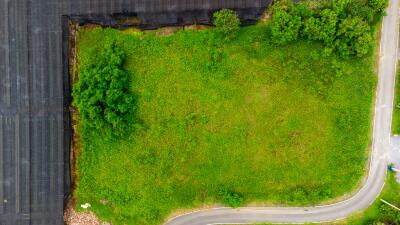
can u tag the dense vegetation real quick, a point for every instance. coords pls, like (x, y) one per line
(227, 22)
(396, 110)
(102, 92)
(345, 26)
(230, 122)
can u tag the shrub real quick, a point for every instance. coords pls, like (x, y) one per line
(285, 26)
(232, 199)
(361, 9)
(102, 93)
(343, 26)
(354, 37)
(322, 28)
(312, 28)
(329, 21)
(369, 10)
(227, 22)
(379, 7)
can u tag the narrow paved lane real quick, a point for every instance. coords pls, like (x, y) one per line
(377, 170)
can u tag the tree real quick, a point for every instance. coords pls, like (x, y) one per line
(361, 9)
(354, 37)
(285, 26)
(379, 6)
(312, 28)
(227, 22)
(102, 92)
(329, 21)
(339, 6)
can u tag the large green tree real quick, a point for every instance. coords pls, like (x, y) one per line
(102, 93)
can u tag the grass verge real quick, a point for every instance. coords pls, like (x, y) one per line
(396, 110)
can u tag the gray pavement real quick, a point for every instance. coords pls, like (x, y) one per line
(378, 160)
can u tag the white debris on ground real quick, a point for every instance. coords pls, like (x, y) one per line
(72, 217)
(394, 155)
(85, 206)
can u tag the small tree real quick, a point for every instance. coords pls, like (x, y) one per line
(312, 28)
(329, 21)
(322, 28)
(354, 37)
(227, 22)
(361, 9)
(379, 6)
(285, 26)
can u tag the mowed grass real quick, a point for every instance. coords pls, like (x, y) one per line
(276, 124)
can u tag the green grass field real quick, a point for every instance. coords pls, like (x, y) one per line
(396, 110)
(276, 124)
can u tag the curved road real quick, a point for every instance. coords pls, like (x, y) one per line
(377, 169)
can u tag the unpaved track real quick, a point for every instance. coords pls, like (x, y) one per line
(377, 170)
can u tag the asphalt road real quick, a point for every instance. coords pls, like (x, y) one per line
(378, 161)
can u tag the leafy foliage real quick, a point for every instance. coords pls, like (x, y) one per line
(396, 110)
(378, 6)
(102, 92)
(232, 199)
(227, 22)
(345, 26)
(285, 25)
(354, 37)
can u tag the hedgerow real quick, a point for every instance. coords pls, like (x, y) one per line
(344, 26)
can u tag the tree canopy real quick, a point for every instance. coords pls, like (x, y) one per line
(227, 22)
(345, 26)
(102, 93)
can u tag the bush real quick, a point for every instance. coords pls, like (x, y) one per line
(322, 28)
(102, 93)
(369, 10)
(344, 26)
(361, 9)
(329, 21)
(227, 22)
(232, 199)
(285, 26)
(379, 7)
(354, 37)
